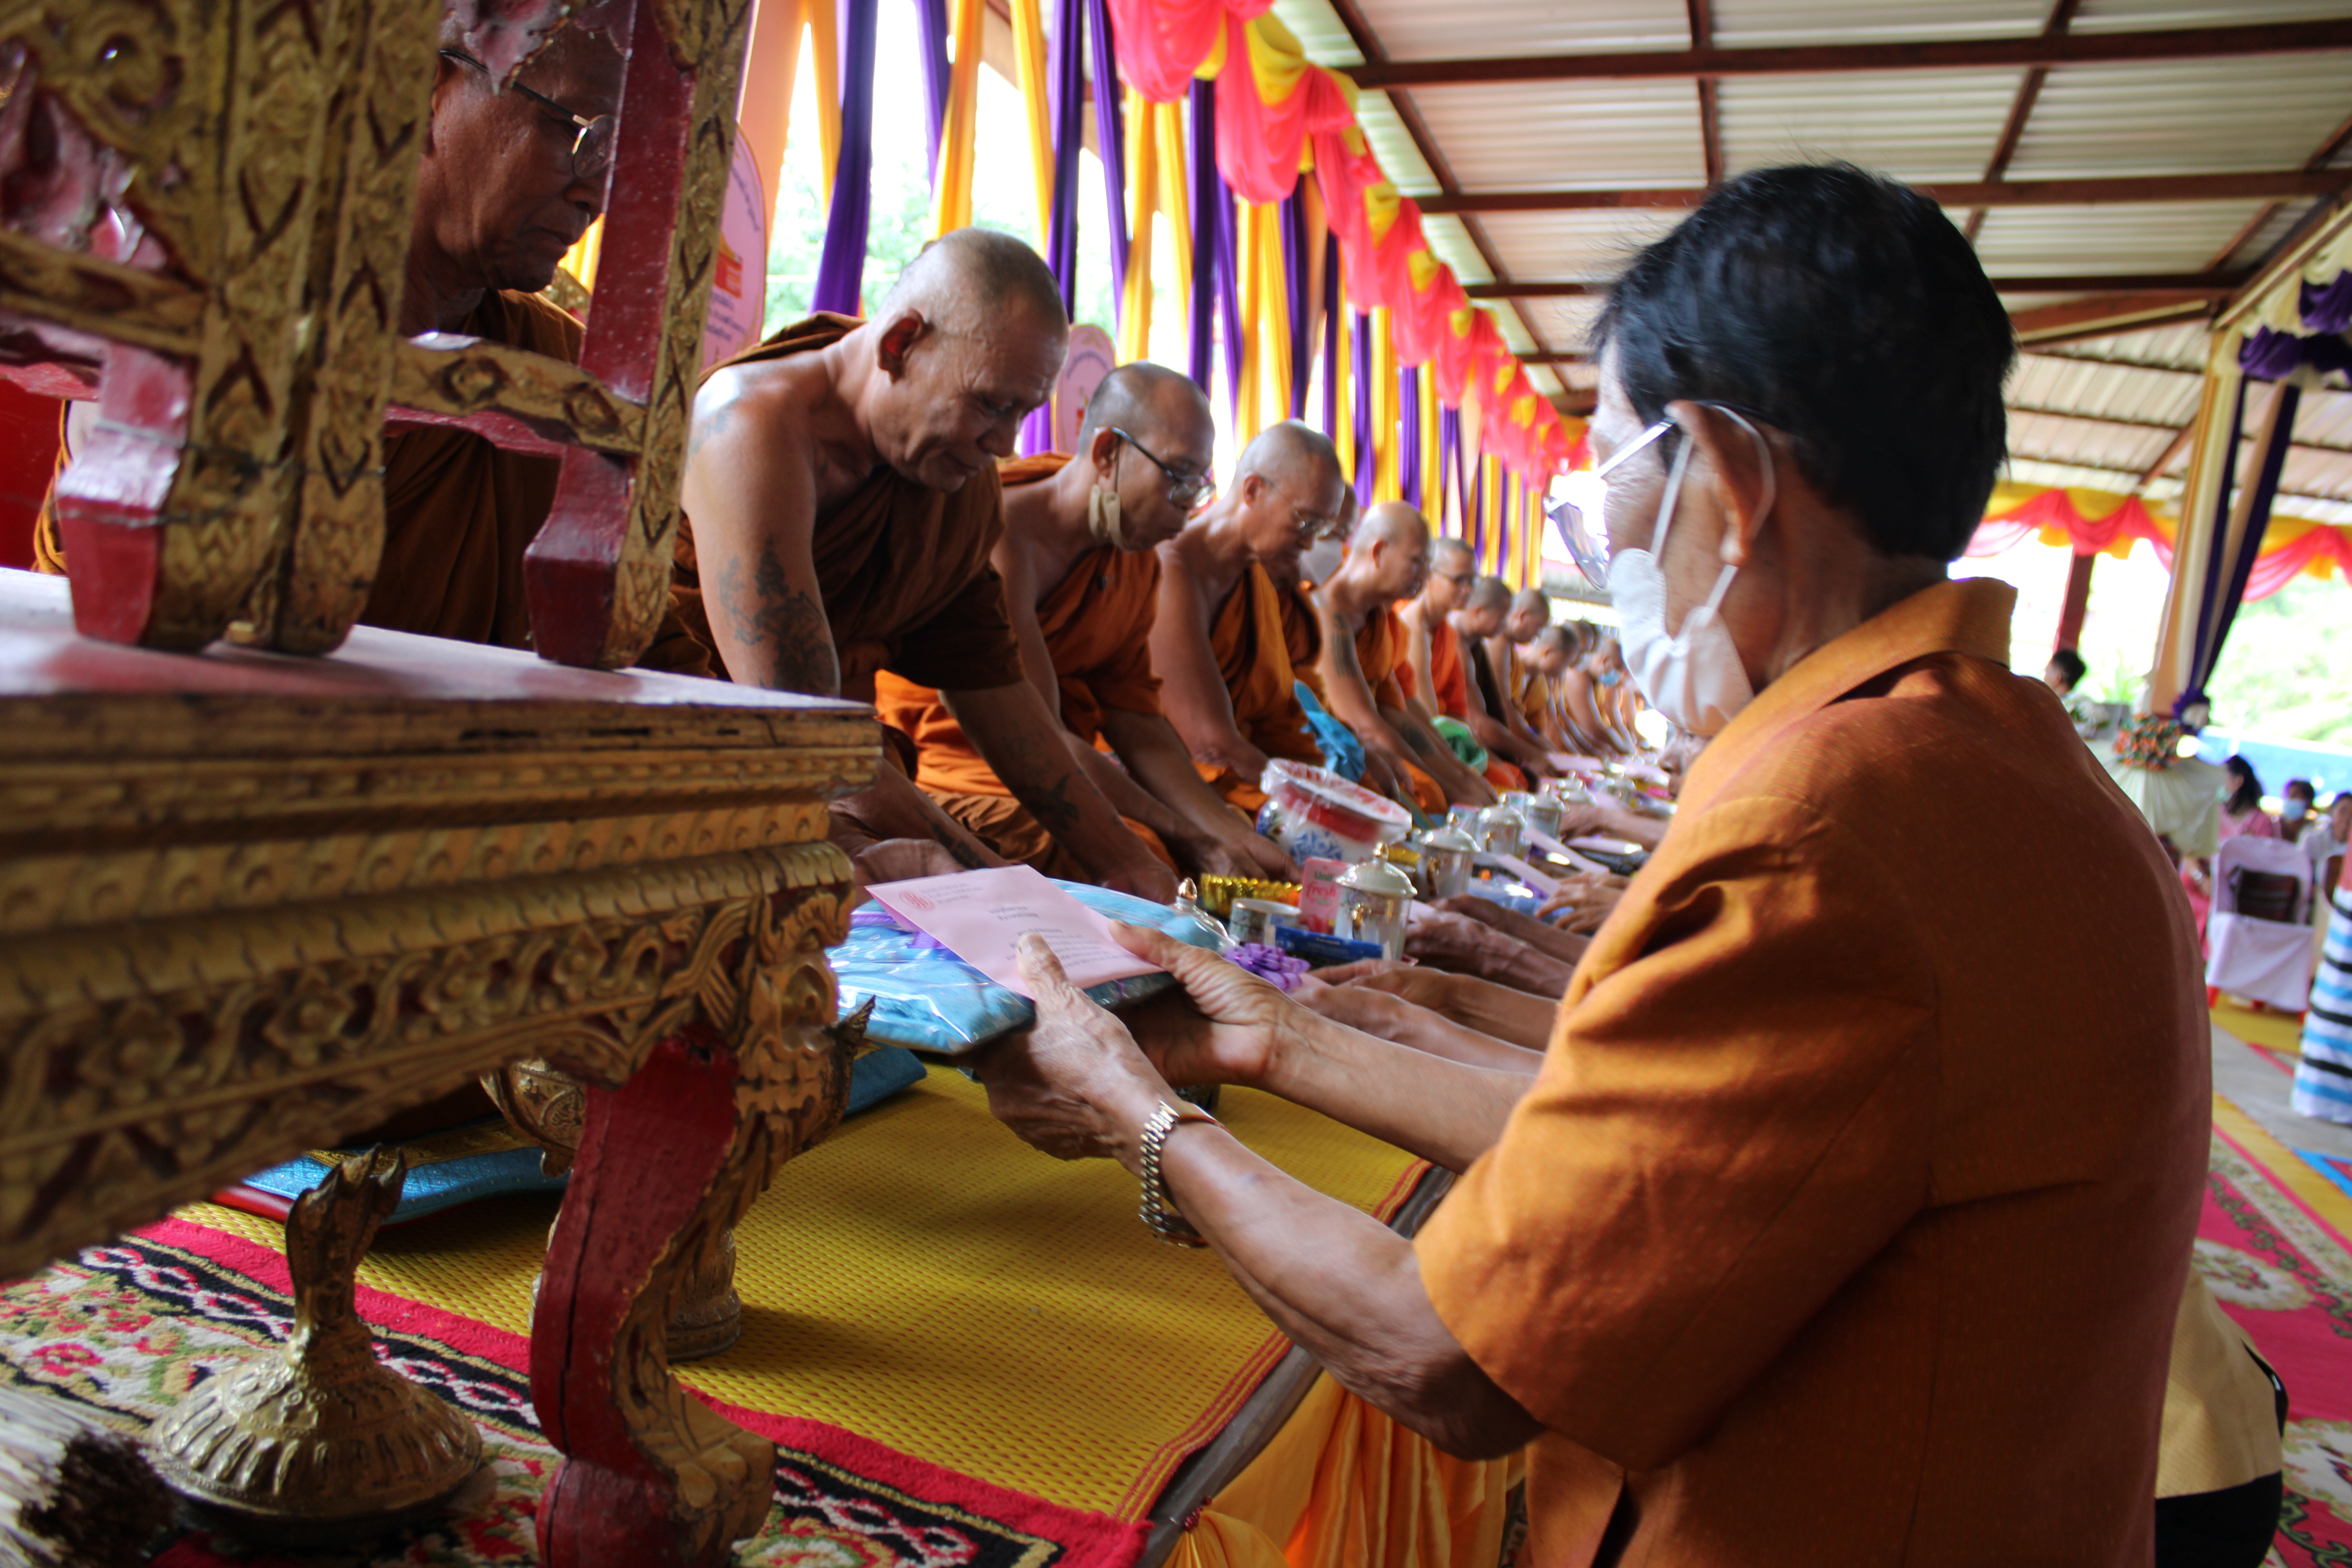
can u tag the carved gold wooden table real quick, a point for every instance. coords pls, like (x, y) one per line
(251, 904)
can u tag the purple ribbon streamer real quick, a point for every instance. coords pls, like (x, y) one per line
(1295, 277)
(1110, 131)
(1229, 298)
(2210, 592)
(841, 265)
(1409, 434)
(2258, 521)
(1331, 309)
(2328, 307)
(931, 30)
(1199, 314)
(1365, 468)
(1478, 530)
(1449, 458)
(2273, 356)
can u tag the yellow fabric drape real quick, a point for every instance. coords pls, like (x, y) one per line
(1343, 400)
(1029, 54)
(1175, 198)
(1490, 516)
(952, 181)
(825, 56)
(1387, 477)
(1265, 305)
(1342, 1486)
(1142, 130)
(2196, 537)
(581, 259)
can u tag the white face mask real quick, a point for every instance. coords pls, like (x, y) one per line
(1321, 559)
(2294, 809)
(1694, 677)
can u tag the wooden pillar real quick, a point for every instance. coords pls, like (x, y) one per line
(2078, 601)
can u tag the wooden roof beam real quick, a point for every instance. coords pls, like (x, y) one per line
(2203, 285)
(2259, 185)
(2099, 315)
(2065, 50)
(2021, 109)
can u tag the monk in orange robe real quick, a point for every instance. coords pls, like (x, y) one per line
(1082, 583)
(496, 210)
(1364, 664)
(1501, 670)
(841, 482)
(1449, 615)
(1219, 643)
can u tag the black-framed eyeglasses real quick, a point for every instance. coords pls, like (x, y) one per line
(1313, 526)
(591, 139)
(1186, 492)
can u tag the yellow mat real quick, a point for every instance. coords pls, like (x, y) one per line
(930, 1282)
(2274, 1031)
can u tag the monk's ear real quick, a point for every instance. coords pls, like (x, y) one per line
(900, 333)
(1104, 453)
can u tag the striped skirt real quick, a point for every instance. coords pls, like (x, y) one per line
(2323, 1080)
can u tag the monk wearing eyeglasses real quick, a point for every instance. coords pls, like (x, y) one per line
(1219, 645)
(843, 508)
(510, 178)
(1081, 569)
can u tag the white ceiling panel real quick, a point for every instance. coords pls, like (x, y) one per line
(1414, 29)
(1575, 246)
(1759, 22)
(2181, 117)
(2137, 237)
(2085, 443)
(1567, 135)
(2129, 16)
(1914, 125)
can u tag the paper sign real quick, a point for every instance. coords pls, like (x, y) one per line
(1525, 873)
(1550, 846)
(979, 916)
(1563, 762)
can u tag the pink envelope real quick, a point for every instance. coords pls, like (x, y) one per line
(979, 916)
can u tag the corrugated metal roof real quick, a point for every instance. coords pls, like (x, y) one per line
(1585, 245)
(2123, 15)
(2183, 117)
(1917, 126)
(2170, 237)
(1758, 23)
(1414, 29)
(1569, 135)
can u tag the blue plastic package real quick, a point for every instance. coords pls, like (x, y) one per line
(926, 998)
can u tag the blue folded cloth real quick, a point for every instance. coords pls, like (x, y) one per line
(1342, 753)
(926, 997)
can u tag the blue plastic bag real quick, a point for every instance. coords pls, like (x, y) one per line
(926, 997)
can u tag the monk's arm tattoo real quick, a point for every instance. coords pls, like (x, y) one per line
(765, 611)
(1046, 773)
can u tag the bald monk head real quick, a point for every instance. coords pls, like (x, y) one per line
(1389, 557)
(1484, 608)
(1150, 440)
(1452, 570)
(967, 344)
(1530, 613)
(1551, 650)
(505, 184)
(1286, 492)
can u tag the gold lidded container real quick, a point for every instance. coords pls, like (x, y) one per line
(1500, 831)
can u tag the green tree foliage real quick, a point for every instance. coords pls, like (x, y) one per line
(2286, 670)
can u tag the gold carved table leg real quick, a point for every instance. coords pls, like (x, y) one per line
(744, 1074)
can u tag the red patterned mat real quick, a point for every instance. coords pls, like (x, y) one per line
(2273, 1245)
(125, 1330)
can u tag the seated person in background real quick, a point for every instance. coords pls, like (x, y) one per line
(1735, 1259)
(501, 194)
(1503, 667)
(1302, 628)
(2241, 816)
(1364, 668)
(1218, 644)
(2295, 802)
(841, 483)
(2063, 672)
(1081, 569)
(1447, 617)
(1582, 690)
(1616, 697)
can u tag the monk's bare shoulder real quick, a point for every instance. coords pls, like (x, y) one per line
(1180, 587)
(766, 405)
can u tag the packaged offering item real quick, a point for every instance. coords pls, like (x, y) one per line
(1314, 812)
(926, 998)
(1322, 951)
(1255, 920)
(1319, 893)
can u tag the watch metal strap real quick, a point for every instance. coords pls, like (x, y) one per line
(1159, 1210)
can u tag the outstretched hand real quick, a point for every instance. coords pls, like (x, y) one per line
(1073, 1085)
(1223, 1026)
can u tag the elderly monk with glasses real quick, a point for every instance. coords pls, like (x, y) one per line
(1218, 645)
(1081, 568)
(843, 508)
(1798, 1244)
(509, 179)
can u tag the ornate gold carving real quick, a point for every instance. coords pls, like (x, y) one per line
(320, 1441)
(147, 1065)
(94, 295)
(466, 376)
(708, 37)
(331, 537)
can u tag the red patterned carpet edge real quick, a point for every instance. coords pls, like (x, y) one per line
(2273, 1244)
(1083, 1540)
